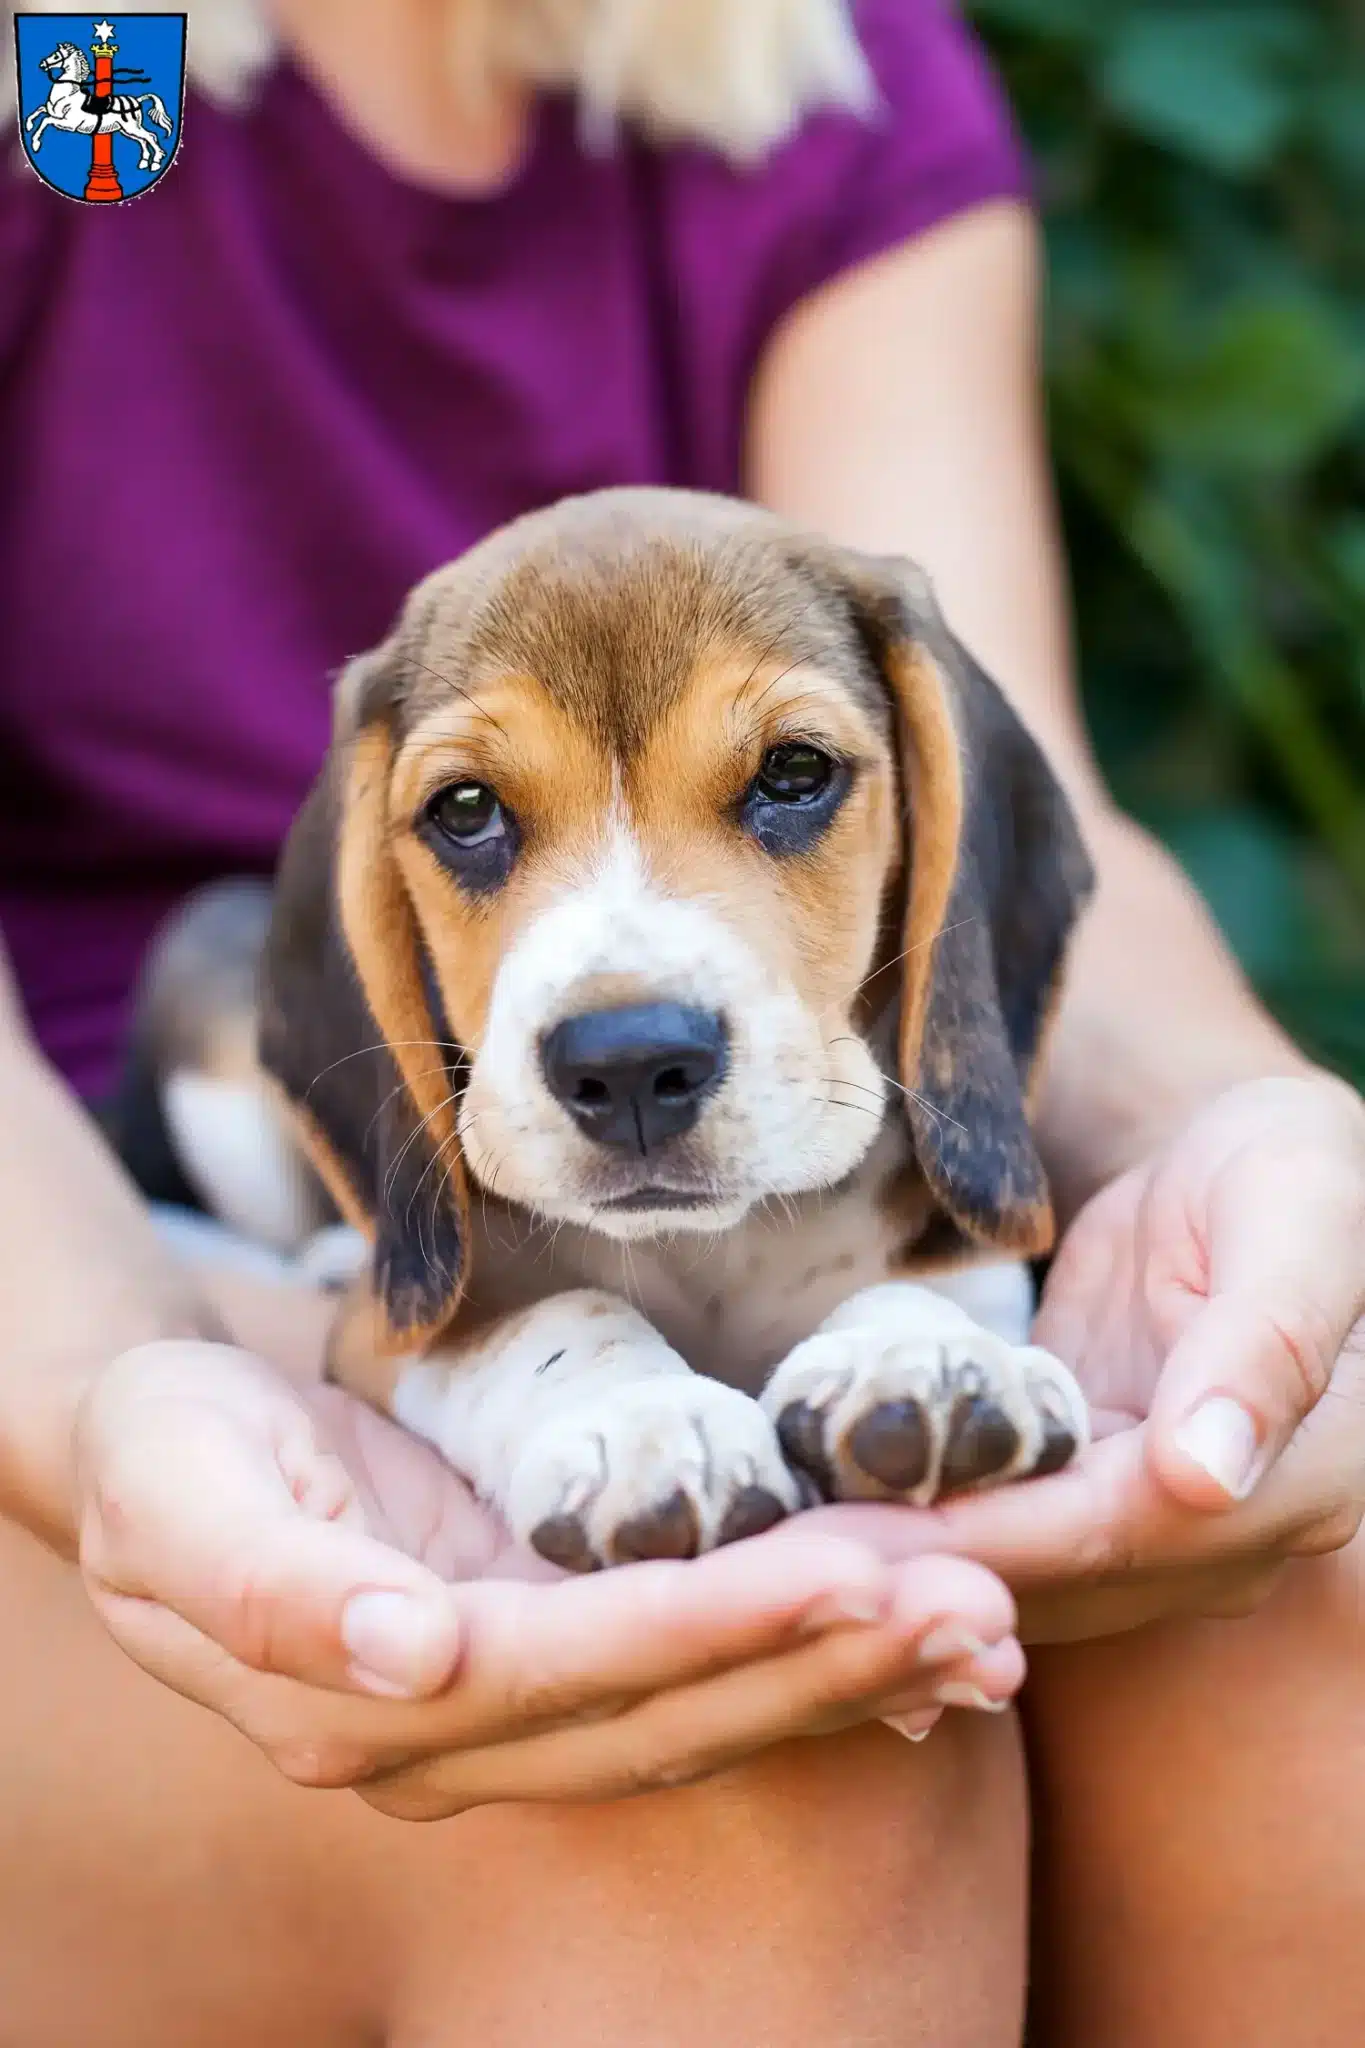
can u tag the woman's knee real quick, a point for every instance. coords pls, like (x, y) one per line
(852, 1890)
(1201, 1791)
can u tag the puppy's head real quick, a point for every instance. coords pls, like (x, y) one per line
(655, 847)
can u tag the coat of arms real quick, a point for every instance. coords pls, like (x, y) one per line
(100, 101)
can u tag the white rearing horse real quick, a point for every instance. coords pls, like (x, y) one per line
(66, 109)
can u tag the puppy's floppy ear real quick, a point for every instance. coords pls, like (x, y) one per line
(996, 876)
(352, 1031)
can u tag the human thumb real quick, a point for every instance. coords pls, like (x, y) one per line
(207, 1491)
(1286, 1283)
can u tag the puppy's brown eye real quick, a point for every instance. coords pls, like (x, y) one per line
(467, 813)
(793, 773)
(794, 797)
(472, 834)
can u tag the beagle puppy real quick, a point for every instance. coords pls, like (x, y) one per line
(656, 978)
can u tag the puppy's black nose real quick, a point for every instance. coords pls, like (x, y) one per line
(635, 1076)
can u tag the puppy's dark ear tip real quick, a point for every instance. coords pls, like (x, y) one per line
(985, 1172)
(419, 1287)
(1006, 1210)
(1025, 1232)
(1013, 1233)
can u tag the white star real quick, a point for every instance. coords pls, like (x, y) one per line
(104, 31)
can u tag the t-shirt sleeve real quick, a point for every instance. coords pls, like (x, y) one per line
(748, 246)
(938, 140)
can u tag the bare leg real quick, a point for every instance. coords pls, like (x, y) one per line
(1201, 1792)
(160, 1885)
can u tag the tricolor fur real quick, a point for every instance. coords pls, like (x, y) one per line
(872, 967)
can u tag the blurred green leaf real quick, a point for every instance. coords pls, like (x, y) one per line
(1073, 20)
(1203, 168)
(1274, 385)
(1208, 81)
(1337, 120)
(1326, 1014)
(1345, 545)
(1249, 874)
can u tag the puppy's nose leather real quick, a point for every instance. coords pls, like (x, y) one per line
(633, 1077)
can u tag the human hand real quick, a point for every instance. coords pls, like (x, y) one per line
(301, 1566)
(1212, 1304)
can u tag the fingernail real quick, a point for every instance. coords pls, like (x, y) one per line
(957, 1694)
(399, 1647)
(949, 1644)
(1220, 1437)
(852, 1604)
(915, 1727)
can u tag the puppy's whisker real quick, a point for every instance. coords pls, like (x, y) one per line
(788, 1204)
(863, 1109)
(781, 634)
(483, 1200)
(392, 1175)
(515, 1237)
(451, 1142)
(411, 1139)
(889, 1081)
(547, 1250)
(390, 1045)
(848, 1038)
(460, 691)
(930, 1109)
(440, 1191)
(769, 687)
(491, 1186)
(427, 1074)
(862, 1087)
(933, 939)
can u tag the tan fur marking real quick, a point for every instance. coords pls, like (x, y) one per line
(815, 919)
(932, 766)
(382, 934)
(512, 735)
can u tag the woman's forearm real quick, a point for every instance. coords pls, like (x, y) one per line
(83, 1276)
(1155, 1020)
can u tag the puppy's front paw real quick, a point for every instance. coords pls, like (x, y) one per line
(870, 1415)
(666, 1467)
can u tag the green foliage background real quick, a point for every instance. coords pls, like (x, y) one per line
(1202, 170)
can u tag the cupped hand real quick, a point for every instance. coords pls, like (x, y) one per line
(298, 1564)
(1212, 1304)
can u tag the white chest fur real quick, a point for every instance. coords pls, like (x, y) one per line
(735, 1305)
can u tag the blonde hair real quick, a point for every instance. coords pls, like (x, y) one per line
(735, 75)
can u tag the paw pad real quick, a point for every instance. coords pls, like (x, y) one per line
(666, 1467)
(893, 1444)
(669, 1529)
(864, 1414)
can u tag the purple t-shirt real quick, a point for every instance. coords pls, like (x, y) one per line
(239, 418)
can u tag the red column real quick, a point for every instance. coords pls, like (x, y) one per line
(103, 182)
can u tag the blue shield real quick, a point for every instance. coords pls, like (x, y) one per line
(101, 100)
